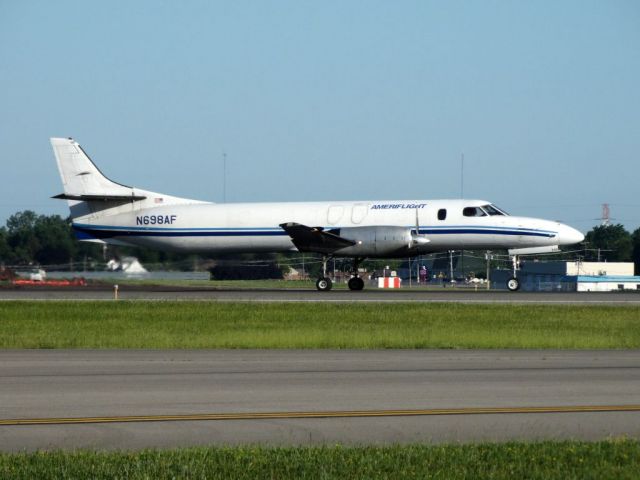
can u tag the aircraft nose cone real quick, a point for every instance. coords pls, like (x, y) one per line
(569, 235)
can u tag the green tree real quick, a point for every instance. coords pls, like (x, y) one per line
(6, 253)
(39, 238)
(22, 237)
(55, 237)
(614, 241)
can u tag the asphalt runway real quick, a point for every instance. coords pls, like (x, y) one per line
(137, 399)
(466, 295)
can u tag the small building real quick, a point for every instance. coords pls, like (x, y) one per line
(606, 283)
(562, 276)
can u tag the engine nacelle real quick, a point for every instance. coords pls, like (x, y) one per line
(376, 241)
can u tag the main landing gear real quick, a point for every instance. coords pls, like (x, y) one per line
(324, 283)
(355, 282)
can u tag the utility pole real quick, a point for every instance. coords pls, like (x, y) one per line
(450, 266)
(224, 177)
(462, 175)
(605, 220)
(488, 257)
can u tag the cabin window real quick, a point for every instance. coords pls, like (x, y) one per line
(473, 212)
(442, 214)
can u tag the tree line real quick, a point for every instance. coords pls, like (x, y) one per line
(32, 239)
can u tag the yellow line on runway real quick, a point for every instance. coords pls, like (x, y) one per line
(321, 414)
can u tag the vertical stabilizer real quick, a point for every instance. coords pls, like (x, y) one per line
(80, 176)
(90, 193)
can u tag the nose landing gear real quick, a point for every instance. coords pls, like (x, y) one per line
(513, 284)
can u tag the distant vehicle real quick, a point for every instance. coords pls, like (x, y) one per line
(108, 212)
(128, 265)
(34, 274)
(37, 275)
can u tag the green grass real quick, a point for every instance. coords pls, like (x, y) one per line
(543, 460)
(199, 325)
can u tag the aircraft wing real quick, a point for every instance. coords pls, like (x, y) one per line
(315, 239)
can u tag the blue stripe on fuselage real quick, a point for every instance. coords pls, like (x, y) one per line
(485, 231)
(84, 231)
(105, 233)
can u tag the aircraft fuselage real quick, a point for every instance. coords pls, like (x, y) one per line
(255, 227)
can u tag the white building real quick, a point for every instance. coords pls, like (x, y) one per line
(571, 276)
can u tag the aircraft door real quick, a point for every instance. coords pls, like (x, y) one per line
(334, 214)
(359, 212)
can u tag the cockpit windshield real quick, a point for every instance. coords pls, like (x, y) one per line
(493, 210)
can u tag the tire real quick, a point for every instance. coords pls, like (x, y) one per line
(356, 283)
(513, 284)
(324, 284)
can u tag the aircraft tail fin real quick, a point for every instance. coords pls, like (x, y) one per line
(80, 176)
(90, 192)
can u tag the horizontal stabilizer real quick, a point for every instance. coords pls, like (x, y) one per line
(315, 239)
(100, 197)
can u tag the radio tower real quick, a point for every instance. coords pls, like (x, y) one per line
(605, 220)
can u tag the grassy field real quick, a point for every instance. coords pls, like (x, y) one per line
(199, 325)
(544, 460)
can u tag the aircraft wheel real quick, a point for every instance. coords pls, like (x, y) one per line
(356, 283)
(513, 284)
(324, 284)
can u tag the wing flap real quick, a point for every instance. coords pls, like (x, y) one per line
(314, 239)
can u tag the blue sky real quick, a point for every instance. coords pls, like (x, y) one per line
(329, 100)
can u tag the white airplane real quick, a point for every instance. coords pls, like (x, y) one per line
(108, 212)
